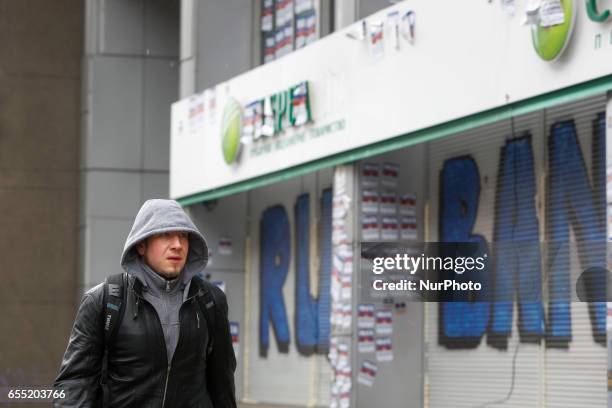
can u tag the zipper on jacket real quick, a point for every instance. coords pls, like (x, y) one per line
(166, 386)
(198, 317)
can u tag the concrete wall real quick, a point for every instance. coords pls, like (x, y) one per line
(130, 79)
(40, 83)
(367, 7)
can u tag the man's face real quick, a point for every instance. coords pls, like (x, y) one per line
(165, 253)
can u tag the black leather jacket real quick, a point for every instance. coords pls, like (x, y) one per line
(139, 374)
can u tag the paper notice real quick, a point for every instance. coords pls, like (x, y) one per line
(551, 13)
(367, 373)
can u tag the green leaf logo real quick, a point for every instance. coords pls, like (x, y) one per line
(231, 130)
(549, 42)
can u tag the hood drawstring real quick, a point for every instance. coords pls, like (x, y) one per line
(193, 301)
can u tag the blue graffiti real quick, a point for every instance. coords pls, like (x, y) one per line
(462, 323)
(573, 202)
(312, 327)
(517, 251)
(274, 267)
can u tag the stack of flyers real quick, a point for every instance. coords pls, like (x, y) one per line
(408, 204)
(408, 228)
(384, 349)
(389, 230)
(390, 174)
(267, 15)
(377, 44)
(299, 104)
(370, 230)
(384, 322)
(365, 316)
(369, 175)
(388, 202)
(367, 373)
(365, 341)
(369, 201)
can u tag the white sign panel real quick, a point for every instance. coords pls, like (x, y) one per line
(461, 58)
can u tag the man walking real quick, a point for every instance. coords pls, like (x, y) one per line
(157, 336)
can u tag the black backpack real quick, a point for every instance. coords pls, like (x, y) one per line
(115, 296)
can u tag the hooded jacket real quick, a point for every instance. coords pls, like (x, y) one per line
(160, 356)
(156, 217)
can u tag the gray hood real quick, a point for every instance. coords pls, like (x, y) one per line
(158, 216)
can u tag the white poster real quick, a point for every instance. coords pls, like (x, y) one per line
(384, 322)
(384, 349)
(365, 316)
(367, 373)
(365, 341)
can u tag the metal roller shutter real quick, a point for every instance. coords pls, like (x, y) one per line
(561, 361)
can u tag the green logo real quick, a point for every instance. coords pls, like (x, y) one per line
(231, 130)
(549, 42)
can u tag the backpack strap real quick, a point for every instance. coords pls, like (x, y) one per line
(207, 306)
(115, 295)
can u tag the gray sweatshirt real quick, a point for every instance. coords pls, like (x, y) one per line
(157, 216)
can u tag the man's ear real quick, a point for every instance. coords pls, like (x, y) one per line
(140, 247)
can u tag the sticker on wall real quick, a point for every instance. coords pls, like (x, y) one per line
(299, 101)
(408, 24)
(407, 204)
(303, 5)
(284, 12)
(365, 316)
(377, 39)
(225, 246)
(384, 349)
(252, 122)
(532, 13)
(390, 174)
(408, 228)
(365, 341)
(367, 373)
(389, 230)
(235, 333)
(345, 293)
(370, 172)
(384, 322)
(196, 113)
(393, 22)
(370, 230)
(508, 7)
(267, 16)
(210, 98)
(388, 202)
(305, 29)
(269, 47)
(551, 13)
(369, 201)
(346, 316)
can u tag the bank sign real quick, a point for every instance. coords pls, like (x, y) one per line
(340, 94)
(251, 126)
